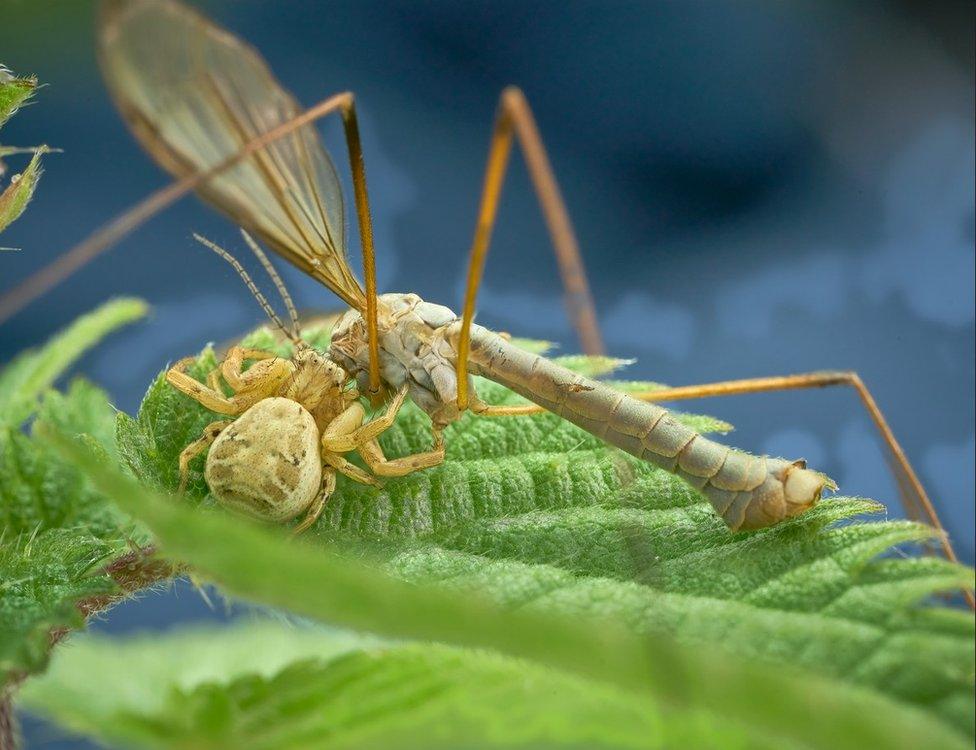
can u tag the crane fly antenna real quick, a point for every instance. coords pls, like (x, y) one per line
(276, 279)
(248, 281)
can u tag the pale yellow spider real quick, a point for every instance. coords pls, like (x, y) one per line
(294, 420)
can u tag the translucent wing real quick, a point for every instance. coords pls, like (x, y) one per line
(194, 95)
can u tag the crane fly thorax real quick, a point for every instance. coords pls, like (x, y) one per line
(416, 349)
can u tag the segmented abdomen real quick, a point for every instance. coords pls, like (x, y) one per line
(747, 491)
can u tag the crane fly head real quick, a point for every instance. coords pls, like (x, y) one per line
(350, 344)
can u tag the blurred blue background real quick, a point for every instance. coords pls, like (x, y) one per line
(757, 188)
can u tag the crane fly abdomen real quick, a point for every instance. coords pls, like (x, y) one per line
(418, 349)
(749, 492)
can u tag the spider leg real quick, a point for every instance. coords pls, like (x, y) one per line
(345, 467)
(232, 368)
(326, 490)
(198, 446)
(347, 433)
(211, 398)
(382, 466)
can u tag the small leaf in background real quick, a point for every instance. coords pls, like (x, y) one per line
(33, 371)
(14, 92)
(16, 196)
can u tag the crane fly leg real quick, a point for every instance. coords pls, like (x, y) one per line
(514, 118)
(350, 125)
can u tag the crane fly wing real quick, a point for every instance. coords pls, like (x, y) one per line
(195, 95)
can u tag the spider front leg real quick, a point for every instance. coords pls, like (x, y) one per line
(250, 387)
(232, 368)
(198, 446)
(208, 395)
(382, 466)
(347, 433)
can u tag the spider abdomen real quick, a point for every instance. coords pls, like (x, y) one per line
(266, 464)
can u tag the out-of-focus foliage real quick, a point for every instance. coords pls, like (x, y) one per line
(16, 196)
(58, 533)
(272, 685)
(15, 92)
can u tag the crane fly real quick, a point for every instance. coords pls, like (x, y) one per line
(207, 108)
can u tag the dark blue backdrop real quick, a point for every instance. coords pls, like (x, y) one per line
(758, 189)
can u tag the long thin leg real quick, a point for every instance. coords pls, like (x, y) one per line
(198, 446)
(507, 410)
(326, 490)
(350, 124)
(514, 118)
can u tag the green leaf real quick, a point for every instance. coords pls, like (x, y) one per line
(592, 367)
(322, 580)
(14, 92)
(539, 515)
(31, 373)
(42, 579)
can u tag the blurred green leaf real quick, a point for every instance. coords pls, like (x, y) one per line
(16, 196)
(31, 373)
(271, 685)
